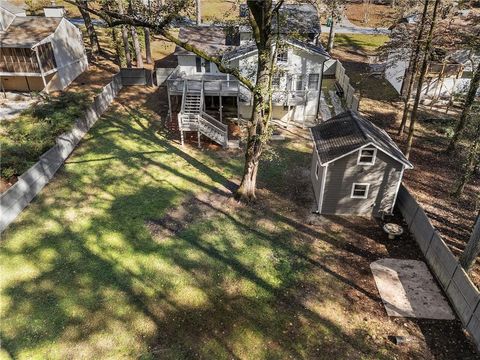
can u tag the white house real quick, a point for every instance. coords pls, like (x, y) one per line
(203, 99)
(38, 53)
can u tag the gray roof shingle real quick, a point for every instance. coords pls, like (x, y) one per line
(26, 31)
(348, 132)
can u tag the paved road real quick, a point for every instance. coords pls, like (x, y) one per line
(345, 26)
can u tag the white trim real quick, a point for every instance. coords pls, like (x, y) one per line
(322, 189)
(324, 174)
(374, 156)
(348, 153)
(409, 166)
(357, 196)
(397, 189)
(316, 168)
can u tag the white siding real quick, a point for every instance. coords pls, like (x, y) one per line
(69, 52)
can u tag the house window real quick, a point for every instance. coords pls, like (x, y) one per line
(299, 83)
(317, 168)
(276, 81)
(360, 190)
(198, 63)
(313, 81)
(282, 55)
(367, 156)
(207, 65)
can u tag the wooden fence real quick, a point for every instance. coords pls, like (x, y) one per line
(463, 294)
(136, 76)
(351, 100)
(32, 181)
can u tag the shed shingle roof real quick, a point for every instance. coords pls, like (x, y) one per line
(347, 132)
(26, 31)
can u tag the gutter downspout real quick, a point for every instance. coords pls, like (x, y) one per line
(41, 70)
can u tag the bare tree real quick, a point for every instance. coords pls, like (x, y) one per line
(92, 34)
(126, 45)
(469, 100)
(413, 68)
(421, 78)
(198, 11)
(467, 259)
(473, 157)
(148, 49)
(136, 46)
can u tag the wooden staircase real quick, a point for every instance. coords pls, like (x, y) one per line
(193, 118)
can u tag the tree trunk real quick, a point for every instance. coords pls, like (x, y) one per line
(198, 11)
(136, 45)
(331, 35)
(126, 45)
(148, 50)
(467, 259)
(118, 58)
(421, 78)
(470, 164)
(92, 34)
(413, 68)
(261, 13)
(472, 91)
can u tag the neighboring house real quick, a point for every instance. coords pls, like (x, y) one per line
(356, 168)
(38, 53)
(449, 71)
(203, 99)
(443, 78)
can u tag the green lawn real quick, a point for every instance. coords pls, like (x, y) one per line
(135, 251)
(31, 133)
(363, 42)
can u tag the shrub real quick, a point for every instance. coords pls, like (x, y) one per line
(33, 132)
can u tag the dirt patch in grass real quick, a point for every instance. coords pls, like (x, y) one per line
(377, 15)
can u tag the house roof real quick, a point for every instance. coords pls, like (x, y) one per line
(11, 8)
(348, 132)
(26, 31)
(298, 18)
(214, 40)
(249, 47)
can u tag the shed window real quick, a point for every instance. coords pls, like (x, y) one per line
(198, 63)
(360, 190)
(208, 66)
(282, 55)
(313, 81)
(367, 156)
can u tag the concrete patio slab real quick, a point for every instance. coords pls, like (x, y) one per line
(408, 289)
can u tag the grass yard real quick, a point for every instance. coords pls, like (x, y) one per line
(136, 250)
(359, 42)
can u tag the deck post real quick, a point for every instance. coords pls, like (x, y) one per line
(169, 104)
(41, 70)
(238, 108)
(198, 139)
(181, 137)
(221, 113)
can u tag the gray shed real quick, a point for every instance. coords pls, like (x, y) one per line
(356, 169)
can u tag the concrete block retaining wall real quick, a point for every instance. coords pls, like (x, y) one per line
(463, 294)
(32, 181)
